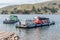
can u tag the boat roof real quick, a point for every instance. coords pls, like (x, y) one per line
(44, 18)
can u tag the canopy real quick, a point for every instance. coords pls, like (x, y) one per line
(13, 17)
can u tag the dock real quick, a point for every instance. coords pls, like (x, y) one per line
(8, 36)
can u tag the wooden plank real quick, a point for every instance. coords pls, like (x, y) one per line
(8, 35)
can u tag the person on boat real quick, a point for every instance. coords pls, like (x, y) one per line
(38, 21)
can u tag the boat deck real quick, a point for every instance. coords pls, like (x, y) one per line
(34, 26)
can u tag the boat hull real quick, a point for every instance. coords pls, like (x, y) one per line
(36, 25)
(10, 22)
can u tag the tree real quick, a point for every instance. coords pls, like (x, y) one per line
(26, 12)
(38, 10)
(12, 12)
(54, 4)
(15, 9)
(4, 12)
(53, 10)
(34, 9)
(19, 11)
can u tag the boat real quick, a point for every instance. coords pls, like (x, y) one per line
(11, 20)
(31, 24)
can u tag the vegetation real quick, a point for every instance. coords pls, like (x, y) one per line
(50, 7)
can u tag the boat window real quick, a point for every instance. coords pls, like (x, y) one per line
(44, 18)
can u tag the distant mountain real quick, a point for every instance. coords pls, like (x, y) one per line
(49, 7)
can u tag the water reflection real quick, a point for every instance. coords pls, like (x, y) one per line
(31, 34)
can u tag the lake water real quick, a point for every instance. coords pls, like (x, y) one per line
(45, 33)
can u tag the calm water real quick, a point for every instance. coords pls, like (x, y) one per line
(44, 33)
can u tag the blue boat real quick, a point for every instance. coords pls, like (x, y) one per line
(31, 24)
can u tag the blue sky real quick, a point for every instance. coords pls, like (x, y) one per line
(4, 3)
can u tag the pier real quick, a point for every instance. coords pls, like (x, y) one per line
(8, 36)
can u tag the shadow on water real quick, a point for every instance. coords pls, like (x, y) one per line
(40, 28)
(44, 28)
(31, 31)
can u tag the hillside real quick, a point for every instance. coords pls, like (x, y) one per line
(49, 7)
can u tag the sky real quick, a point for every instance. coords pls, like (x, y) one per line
(4, 3)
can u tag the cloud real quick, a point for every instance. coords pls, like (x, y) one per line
(21, 1)
(13, 2)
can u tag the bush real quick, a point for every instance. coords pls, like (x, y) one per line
(34, 9)
(4, 12)
(26, 12)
